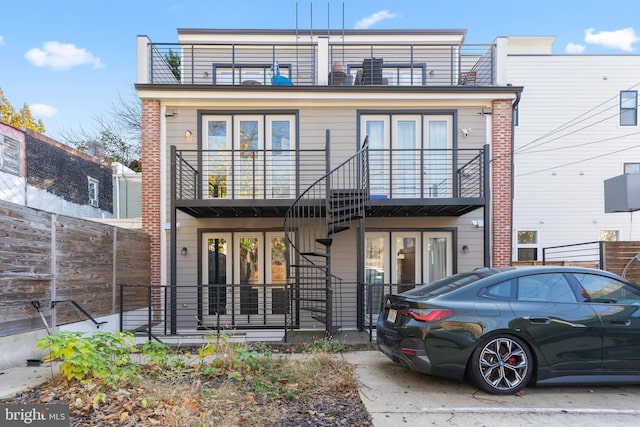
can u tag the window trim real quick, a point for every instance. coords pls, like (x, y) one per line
(624, 108)
(95, 200)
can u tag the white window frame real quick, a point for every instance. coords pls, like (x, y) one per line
(627, 104)
(271, 167)
(93, 188)
(528, 245)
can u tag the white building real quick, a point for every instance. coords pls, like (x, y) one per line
(576, 126)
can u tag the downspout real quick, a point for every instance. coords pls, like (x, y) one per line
(513, 129)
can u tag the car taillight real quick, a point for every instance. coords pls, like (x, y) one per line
(430, 316)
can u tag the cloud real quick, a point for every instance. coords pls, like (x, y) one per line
(371, 20)
(575, 48)
(43, 110)
(620, 39)
(61, 56)
(1, 40)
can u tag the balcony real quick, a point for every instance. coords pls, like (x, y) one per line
(308, 64)
(248, 183)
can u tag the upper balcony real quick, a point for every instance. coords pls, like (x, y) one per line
(385, 63)
(247, 183)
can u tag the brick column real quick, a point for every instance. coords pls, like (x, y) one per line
(501, 200)
(151, 183)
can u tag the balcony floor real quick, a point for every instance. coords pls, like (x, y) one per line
(376, 208)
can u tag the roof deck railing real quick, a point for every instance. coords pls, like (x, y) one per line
(237, 64)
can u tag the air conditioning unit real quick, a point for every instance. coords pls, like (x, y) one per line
(94, 203)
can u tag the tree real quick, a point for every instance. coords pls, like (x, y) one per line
(22, 119)
(118, 132)
(174, 63)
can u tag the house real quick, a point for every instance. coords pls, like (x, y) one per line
(41, 173)
(278, 200)
(577, 127)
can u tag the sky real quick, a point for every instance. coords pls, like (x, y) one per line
(72, 61)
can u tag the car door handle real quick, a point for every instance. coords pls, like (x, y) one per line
(540, 320)
(621, 322)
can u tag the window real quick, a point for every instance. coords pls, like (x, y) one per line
(410, 155)
(502, 290)
(628, 108)
(9, 155)
(93, 192)
(630, 168)
(610, 235)
(607, 290)
(527, 245)
(248, 156)
(545, 287)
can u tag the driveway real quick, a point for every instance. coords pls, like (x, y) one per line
(396, 396)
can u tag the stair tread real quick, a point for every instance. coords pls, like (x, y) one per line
(325, 242)
(334, 230)
(318, 254)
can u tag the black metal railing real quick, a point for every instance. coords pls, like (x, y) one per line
(249, 174)
(201, 309)
(238, 64)
(285, 174)
(373, 301)
(426, 173)
(587, 253)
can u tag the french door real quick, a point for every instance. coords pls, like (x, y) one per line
(244, 277)
(248, 156)
(410, 155)
(402, 259)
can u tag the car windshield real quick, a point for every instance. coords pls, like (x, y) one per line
(448, 284)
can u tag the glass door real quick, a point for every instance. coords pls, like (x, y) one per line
(376, 270)
(439, 161)
(405, 268)
(249, 263)
(249, 161)
(276, 303)
(377, 128)
(438, 256)
(280, 158)
(216, 157)
(216, 276)
(406, 160)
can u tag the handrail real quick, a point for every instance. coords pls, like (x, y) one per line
(85, 312)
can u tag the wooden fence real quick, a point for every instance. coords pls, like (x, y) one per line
(48, 257)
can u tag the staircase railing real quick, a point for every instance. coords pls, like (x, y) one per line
(325, 208)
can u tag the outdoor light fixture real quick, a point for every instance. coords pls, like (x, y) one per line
(465, 249)
(184, 251)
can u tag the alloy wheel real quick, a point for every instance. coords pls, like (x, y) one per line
(502, 365)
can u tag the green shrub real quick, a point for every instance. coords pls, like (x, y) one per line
(104, 356)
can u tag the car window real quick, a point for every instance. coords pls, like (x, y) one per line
(502, 290)
(548, 287)
(606, 289)
(448, 284)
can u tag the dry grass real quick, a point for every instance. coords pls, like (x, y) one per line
(219, 385)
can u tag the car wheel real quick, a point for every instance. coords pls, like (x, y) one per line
(502, 365)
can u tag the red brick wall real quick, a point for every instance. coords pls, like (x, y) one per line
(501, 183)
(151, 182)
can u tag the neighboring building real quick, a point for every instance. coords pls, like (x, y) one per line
(39, 172)
(577, 126)
(245, 191)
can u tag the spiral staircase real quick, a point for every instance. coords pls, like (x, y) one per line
(331, 205)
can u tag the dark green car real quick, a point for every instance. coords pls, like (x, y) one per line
(508, 328)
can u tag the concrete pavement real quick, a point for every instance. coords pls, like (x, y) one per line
(14, 380)
(396, 396)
